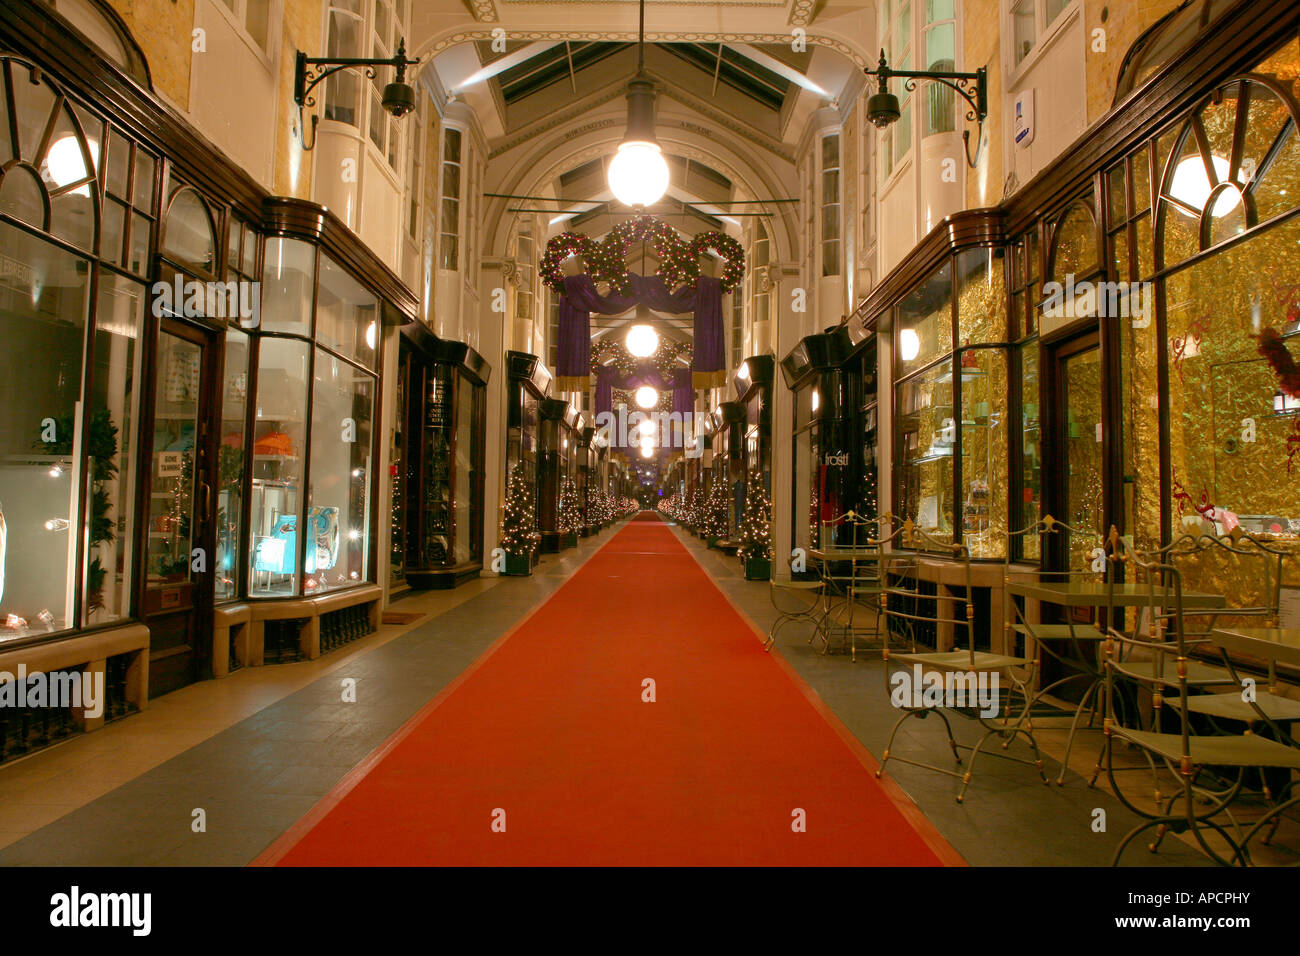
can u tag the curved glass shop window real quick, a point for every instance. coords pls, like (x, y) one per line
(1073, 258)
(313, 424)
(189, 237)
(1234, 417)
(70, 379)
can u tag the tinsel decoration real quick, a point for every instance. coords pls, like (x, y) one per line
(679, 260)
(715, 511)
(756, 527)
(734, 269)
(570, 513)
(519, 533)
(1273, 347)
(560, 248)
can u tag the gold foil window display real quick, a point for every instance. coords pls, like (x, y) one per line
(1221, 391)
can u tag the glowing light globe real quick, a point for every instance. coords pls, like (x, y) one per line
(638, 174)
(646, 397)
(642, 341)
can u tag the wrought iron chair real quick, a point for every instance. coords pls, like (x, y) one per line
(851, 582)
(792, 602)
(1196, 761)
(1079, 659)
(906, 609)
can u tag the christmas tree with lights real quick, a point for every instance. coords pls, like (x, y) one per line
(519, 535)
(570, 514)
(715, 511)
(755, 528)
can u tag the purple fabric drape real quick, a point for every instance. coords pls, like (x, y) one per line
(683, 392)
(580, 299)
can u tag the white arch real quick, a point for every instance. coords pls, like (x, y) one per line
(544, 158)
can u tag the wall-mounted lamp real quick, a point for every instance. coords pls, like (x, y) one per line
(398, 97)
(883, 108)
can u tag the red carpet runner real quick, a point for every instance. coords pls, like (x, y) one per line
(550, 727)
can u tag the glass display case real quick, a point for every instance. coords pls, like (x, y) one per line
(729, 446)
(529, 383)
(443, 461)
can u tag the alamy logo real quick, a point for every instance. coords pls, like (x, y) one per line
(917, 689)
(1086, 299)
(240, 300)
(661, 429)
(74, 908)
(62, 689)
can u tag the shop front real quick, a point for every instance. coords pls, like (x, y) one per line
(558, 515)
(445, 388)
(528, 385)
(191, 394)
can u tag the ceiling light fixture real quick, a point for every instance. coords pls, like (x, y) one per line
(646, 397)
(642, 341)
(638, 174)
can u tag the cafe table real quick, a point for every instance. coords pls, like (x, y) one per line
(1090, 594)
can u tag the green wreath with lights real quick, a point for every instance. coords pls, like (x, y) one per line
(606, 261)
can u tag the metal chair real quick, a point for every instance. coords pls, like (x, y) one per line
(851, 582)
(1194, 760)
(796, 609)
(1003, 712)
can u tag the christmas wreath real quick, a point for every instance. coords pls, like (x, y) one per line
(729, 249)
(678, 259)
(560, 248)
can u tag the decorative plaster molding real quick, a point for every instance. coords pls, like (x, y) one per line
(510, 272)
(484, 11)
(801, 12)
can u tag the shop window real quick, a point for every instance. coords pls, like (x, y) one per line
(927, 440)
(1074, 245)
(336, 546)
(347, 315)
(231, 462)
(279, 446)
(1028, 509)
(288, 278)
(189, 239)
(1232, 427)
(1218, 184)
(981, 296)
(983, 489)
(50, 166)
(924, 322)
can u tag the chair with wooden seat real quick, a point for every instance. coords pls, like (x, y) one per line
(1202, 801)
(1004, 680)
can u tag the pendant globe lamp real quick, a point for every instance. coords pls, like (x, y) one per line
(638, 174)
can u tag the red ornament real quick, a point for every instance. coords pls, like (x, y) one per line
(1280, 360)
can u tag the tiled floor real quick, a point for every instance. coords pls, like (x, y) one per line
(256, 751)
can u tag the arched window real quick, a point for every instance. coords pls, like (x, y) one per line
(1235, 164)
(189, 238)
(47, 165)
(100, 25)
(1163, 41)
(1074, 244)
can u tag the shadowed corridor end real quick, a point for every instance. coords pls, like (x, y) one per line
(548, 751)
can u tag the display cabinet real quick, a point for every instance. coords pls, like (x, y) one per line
(729, 446)
(587, 481)
(529, 383)
(443, 462)
(556, 456)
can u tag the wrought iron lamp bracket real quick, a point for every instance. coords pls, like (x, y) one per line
(971, 87)
(309, 72)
